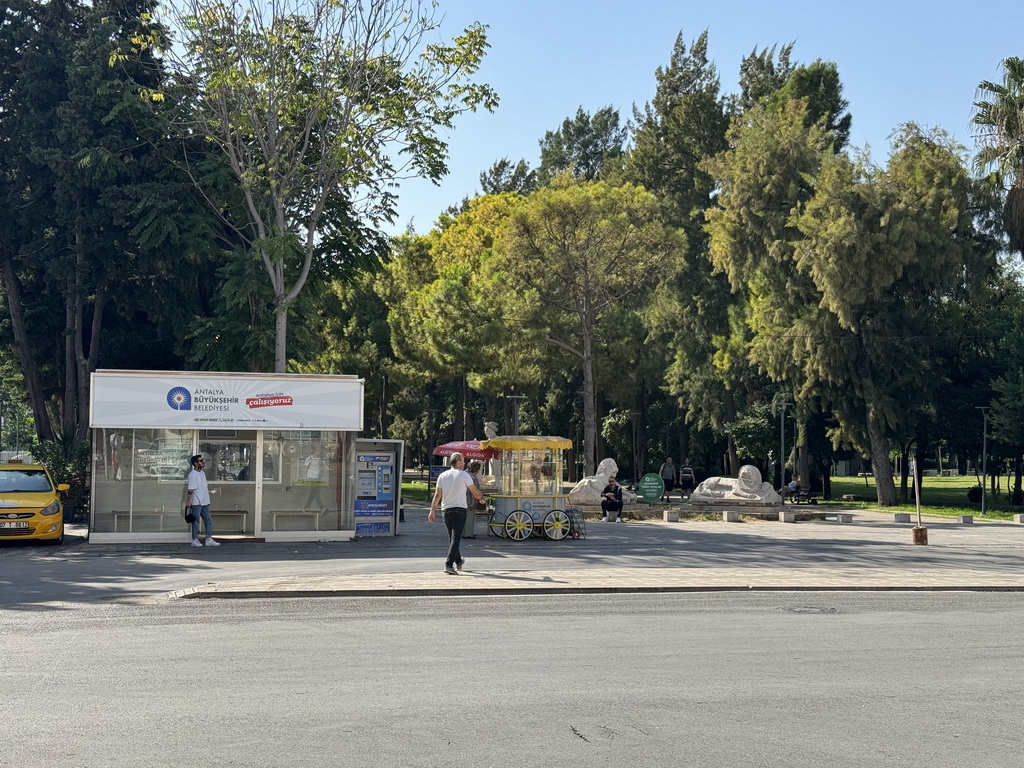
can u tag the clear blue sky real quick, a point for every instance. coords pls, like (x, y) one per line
(899, 60)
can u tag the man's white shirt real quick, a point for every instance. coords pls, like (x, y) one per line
(200, 491)
(454, 485)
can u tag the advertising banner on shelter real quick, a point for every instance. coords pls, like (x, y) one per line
(190, 400)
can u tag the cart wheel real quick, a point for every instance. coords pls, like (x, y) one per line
(577, 534)
(519, 525)
(556, 525)
(496, 527)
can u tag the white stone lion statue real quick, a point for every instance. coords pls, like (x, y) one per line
(746, 488)
(588, 490)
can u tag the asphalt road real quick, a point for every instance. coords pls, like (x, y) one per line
(729, 679)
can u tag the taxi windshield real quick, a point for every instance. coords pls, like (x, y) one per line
(24, 481)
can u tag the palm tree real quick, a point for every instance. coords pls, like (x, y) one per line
(1000, 132)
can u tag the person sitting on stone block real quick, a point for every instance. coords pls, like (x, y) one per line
(611, 501)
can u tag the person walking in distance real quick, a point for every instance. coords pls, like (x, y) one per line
(454, 487)
(686, 478)
(198, 497)
(668, 474)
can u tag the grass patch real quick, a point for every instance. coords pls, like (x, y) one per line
(943, 496)
(414, 490)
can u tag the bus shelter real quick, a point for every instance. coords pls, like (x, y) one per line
(283, 457)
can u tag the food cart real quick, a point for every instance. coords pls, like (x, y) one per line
(529, 500)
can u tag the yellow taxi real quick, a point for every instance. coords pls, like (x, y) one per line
(29, 505)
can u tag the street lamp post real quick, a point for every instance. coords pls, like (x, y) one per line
(984, 453)
(516, 402)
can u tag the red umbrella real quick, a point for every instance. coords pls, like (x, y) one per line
(470, 449)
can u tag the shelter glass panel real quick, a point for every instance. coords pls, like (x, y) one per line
(231, 474)
(139, 479)
(306, 494)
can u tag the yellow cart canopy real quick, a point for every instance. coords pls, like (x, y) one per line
(526, 442)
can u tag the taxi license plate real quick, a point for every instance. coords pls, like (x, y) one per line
(14, 525)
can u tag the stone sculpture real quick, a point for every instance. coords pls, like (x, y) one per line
(588, 490)
(747, 488)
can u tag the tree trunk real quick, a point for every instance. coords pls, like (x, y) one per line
(684, 436)
(458, 413)
(730, 416)
(72, 310)
(87, 363)
(1017, 471)
(589, 406)
(281, 337)
(904, 470)
(468, 423)
(383, 417)
(881, 466)
(29, 368)
(803, 455)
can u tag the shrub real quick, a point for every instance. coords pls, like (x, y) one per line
(66, 465)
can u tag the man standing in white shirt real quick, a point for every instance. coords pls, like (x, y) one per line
(198, 497)
(452, 489)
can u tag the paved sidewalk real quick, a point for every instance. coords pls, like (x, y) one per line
(872, 553)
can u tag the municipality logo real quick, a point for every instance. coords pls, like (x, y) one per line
(180, 399)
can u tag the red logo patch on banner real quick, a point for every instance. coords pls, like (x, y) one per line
(266, 402)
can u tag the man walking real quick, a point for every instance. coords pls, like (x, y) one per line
(668, 474)
(198, 497)
(452, 489)
(686, 478)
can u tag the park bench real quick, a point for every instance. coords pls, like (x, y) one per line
(803, 496)
(310, 514)
(791, 516)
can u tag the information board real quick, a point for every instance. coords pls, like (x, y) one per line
(651, 487)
